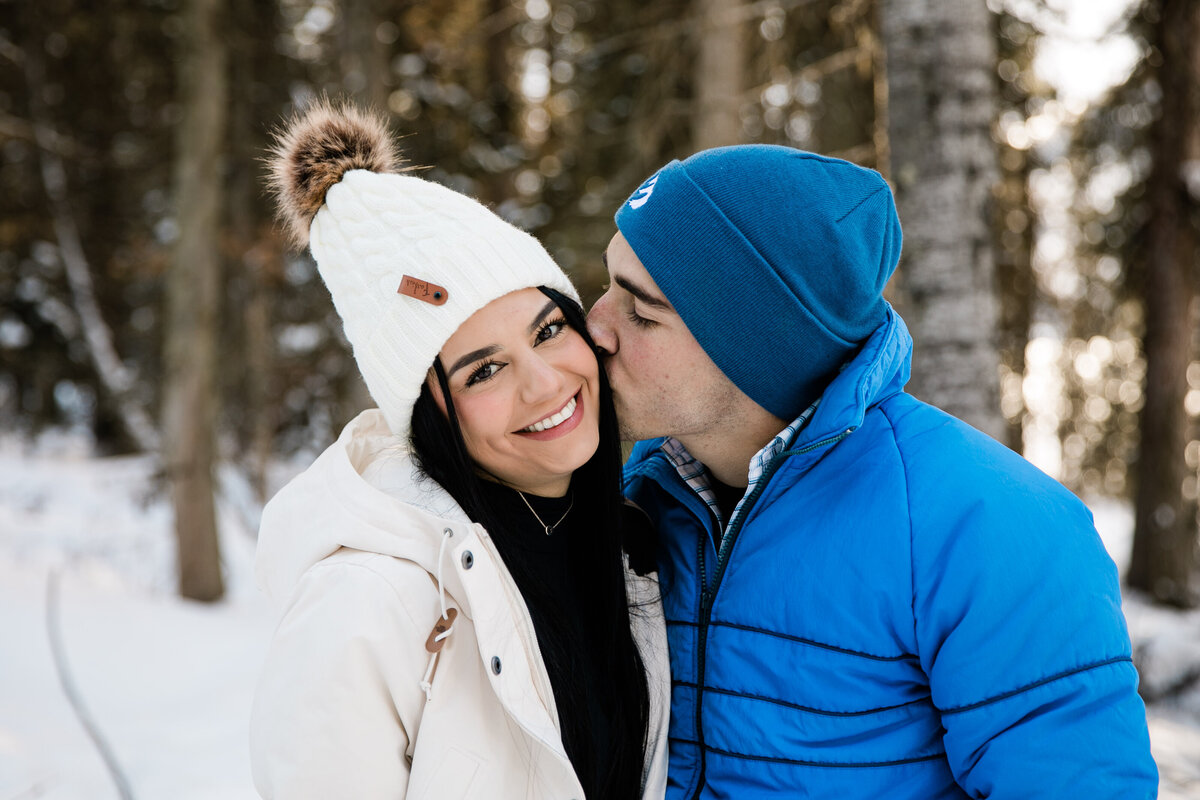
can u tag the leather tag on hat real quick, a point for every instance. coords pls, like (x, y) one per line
(424, 291)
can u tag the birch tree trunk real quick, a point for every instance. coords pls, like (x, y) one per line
(941, 59)
(1164, 561)
(193, 294)
(719, 75)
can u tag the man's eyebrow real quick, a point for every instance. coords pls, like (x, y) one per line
(541, 315)
(641, 294)
(472, 357)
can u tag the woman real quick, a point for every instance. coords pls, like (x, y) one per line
(459, 622)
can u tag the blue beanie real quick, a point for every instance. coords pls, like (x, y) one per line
(775, 259)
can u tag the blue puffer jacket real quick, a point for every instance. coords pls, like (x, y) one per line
(903, 608)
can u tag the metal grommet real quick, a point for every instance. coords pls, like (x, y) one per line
(449, 532)
(468, 560)
(496, 664)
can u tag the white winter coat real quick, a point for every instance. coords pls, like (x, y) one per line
(362, 548)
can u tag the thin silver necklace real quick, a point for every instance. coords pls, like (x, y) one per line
(548, 528)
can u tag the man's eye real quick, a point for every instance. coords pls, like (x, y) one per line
(638, 320)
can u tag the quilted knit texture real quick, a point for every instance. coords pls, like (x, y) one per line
(373, 230)
(775, 259)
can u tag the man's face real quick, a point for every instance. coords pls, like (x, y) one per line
(663, 382)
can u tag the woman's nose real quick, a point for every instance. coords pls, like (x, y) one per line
(540, 379)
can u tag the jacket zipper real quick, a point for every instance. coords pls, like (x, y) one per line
(707, 598)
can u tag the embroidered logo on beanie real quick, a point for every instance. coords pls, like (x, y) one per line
(643, 193)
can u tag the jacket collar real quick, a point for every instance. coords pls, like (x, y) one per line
(364, 492)
(879, 370)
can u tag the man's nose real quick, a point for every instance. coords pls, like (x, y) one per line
(599, 324)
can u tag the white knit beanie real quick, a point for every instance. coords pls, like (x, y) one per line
(406, 260)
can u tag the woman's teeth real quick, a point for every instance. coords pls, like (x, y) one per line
(553, 420)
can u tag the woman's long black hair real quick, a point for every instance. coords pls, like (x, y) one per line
(596, 562)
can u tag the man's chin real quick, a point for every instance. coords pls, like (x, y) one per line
(624, 418)
(631, 432)
(630, 425)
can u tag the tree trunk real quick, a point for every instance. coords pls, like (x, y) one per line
(366, 73)
(1164, 558)
(719, 77)
(498, 61)
(117, 380)
(193, 298)
(259, 366)
(941, 58)
(253, 257)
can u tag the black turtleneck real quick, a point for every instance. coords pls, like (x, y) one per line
(562, 611)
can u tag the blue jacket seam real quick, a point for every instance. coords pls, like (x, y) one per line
(1044, 681)
(803, 763)
(800, 640)
(796, 706)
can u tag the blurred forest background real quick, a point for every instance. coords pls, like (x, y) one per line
(1050, 269)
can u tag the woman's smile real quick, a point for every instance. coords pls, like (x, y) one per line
(560, 423)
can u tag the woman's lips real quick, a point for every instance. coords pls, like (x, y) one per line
(563, 427)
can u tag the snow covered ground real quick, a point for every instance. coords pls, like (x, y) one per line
(167, 682)
(85, 550)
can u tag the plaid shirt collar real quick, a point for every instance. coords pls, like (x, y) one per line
(696, 475)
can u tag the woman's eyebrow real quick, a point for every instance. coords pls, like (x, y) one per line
(472, 357)
(541, 315)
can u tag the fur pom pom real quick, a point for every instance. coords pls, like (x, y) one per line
(312, 152)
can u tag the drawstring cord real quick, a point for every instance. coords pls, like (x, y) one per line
(427, 681)
(445, 622)
(446, 535)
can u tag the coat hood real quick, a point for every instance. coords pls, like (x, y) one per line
(366, 493)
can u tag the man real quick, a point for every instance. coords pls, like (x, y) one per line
(865, 597)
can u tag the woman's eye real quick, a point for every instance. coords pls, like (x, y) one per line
(550, 330)
(483, 373)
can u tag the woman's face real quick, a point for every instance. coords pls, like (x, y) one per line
(526, 390)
